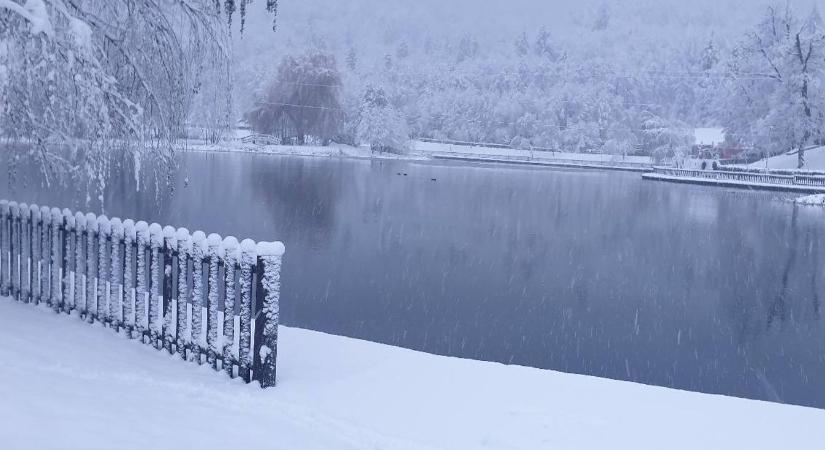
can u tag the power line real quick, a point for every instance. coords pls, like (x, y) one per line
(299, 106)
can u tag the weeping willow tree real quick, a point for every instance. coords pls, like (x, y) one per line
(85, 84)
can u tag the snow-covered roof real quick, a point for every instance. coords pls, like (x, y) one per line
(709, 136)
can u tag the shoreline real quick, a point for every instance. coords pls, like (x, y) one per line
(491, 156)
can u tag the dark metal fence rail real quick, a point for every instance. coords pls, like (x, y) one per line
(151, 283)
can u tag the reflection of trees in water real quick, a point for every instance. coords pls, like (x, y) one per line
(814, 271)
(299, 195)
(807, 274)
(770, 271)
(108, 183)
(778, 306)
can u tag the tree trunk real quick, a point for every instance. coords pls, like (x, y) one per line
(801, 157)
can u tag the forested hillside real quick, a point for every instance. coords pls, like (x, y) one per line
(595, 75)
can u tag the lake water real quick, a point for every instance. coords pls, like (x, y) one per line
(590, 272)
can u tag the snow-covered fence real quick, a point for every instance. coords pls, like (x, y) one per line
(151, 283)
(730, 176)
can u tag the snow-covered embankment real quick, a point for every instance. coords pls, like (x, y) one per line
(65, 384)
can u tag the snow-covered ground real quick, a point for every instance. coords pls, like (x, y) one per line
(334, 150)
(438, 148)
(425, 150)
(67, 385)
(814, 160)
(812, 200)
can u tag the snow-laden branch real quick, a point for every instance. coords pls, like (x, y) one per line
(34, 12)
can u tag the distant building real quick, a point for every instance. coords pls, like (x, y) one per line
(709, 137)
(712, 143)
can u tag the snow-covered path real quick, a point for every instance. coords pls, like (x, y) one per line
(67, 385)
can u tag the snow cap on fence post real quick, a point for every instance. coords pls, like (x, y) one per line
(142, 230)
(198, 240)
(23, 210)
(117, 231)
(249, 251)
(129, 233)
(80, 221)
(91, 222)
(68, 219)
(35, 212)
(270, 254)
(169, 234)
(184, 240)
(104, 226)
(4, 206)
(45, 215)
(156, 235)
(213, 242)
(14, 209)
(229, 248)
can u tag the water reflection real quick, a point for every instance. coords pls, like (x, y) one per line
(587, 272)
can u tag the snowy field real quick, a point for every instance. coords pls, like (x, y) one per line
(339, 393)
(814, 160)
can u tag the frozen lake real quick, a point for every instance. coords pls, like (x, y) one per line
(598, 273)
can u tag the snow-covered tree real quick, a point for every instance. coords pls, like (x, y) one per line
(380, 124)
(666, 138)
(775, 96)
(88, 81)
(303, 102)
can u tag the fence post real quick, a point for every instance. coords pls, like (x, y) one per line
(4, 247)
(44, 276)
(116, 275)
(198, 254)
(155, 264)
(104, 233)
(184, 250)
(91, 268)
(169, 245)
(128, 304)
(142, 233)
(230, 250)
(55, 262)
(267, 310)
(248, 260)
(212, 298)
(34, 241)
(80, 278)
(14, 211)
(25, 227)
(34, 276)
(69, 274)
